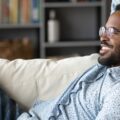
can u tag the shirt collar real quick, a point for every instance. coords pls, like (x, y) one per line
(114, 71)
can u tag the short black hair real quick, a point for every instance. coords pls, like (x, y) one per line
(117, 7)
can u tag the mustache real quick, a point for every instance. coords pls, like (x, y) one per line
(105, 43)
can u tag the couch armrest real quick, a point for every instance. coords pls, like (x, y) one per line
(28, 80)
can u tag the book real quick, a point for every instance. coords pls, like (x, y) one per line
(5, 11)
(25, 11)
(14, 5)
(0, 11)
(35, 8)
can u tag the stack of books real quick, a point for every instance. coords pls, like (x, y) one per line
(19, 11)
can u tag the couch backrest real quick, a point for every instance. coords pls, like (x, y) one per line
(28, 80)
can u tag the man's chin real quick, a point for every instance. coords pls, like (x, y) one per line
(104, 60)
(105, 56)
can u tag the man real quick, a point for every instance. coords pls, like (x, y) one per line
(96, 94)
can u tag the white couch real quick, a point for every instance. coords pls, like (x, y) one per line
(28, 80)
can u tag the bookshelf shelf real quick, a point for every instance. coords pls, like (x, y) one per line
(73, 44)
(19, 26)
(70, 4)
(79, 25)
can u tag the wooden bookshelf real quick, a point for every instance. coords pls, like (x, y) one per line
(79, 25)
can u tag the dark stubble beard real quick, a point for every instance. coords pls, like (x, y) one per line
(112, 60)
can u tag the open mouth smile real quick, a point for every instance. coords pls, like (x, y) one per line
(105, 47)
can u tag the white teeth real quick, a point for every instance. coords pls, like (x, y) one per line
(105, 48)
(102, 45)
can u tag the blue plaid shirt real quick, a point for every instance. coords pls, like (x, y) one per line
(93, 96)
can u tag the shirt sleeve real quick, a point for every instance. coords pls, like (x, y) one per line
(41, 110)
(111, 105)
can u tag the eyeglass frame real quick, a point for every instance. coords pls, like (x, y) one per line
(110, 31)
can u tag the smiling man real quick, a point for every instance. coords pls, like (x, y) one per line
(96, 94)
(110, 41)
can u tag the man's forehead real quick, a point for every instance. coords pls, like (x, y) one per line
(114, 20)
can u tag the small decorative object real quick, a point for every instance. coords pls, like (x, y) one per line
(53, 27)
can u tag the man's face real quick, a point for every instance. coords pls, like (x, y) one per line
(110, 42)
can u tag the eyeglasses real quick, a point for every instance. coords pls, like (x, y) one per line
(110, 31)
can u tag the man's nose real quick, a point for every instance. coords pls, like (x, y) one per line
(104, 37)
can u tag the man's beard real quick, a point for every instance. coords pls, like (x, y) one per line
(112, 60)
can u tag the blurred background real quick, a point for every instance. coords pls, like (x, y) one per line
(51, 28)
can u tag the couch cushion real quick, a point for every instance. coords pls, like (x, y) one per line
(28, 80)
